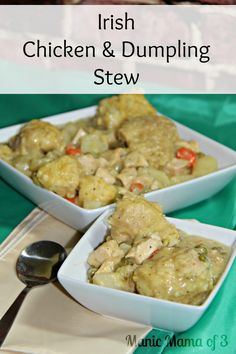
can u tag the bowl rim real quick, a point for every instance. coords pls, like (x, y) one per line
(105, 207)
(91, 110)
(100, 289)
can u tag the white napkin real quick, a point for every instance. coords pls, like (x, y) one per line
(50, 321)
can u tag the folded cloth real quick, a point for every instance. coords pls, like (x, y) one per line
(50, 321)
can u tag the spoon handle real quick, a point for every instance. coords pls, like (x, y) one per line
(7, 319)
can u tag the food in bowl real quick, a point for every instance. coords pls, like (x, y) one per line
(143, 253)
(126, 147)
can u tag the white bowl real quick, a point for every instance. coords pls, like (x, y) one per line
(133, 307)
(171, 198)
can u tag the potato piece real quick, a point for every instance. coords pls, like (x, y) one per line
(61, 176)
(22, 163)
(95, 192)
(121, 279)
(6, 153)
(38, 136)
(135, 218)
(180, 179)
(204, 165)
(158, 179)
(108, 266)
(111, 112)
(41, 159)
(69, 131)
(94, 143)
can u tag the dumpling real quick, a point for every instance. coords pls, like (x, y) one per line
(175, 274)
(111, 112)
(94, 192)
(61, 176)
(135, 218)
(39, 137)
(152, 137)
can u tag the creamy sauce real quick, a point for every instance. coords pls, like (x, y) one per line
(185, 273)
(144, 253)
(126, 147)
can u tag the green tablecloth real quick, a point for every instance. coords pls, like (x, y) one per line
(212, 115)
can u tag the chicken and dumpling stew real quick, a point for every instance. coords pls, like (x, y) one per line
(126, 147)
(143, 253)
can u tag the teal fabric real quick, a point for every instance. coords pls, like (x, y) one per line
(154, 342)
(212, 115)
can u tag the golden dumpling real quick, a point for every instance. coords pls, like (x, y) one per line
(38, 136)
(111, 112)
(176, 274)
(95, 192)
(135, 218)
(152, 137)
(61, 176)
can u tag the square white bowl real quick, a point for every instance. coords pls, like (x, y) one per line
(134, 307)
(170, 198)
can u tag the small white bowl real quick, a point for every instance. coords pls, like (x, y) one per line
(170, 198)
(134, 307)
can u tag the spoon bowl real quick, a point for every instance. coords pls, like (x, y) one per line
(37, 264)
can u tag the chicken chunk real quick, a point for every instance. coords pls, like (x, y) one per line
(38, 136)
(61, 176)
(127, 176)
(135, 159)
(150, 179)
(175, 274)
(79, 134)
(192, 145)
(90, 164)
(152, 137)
(135, 218)
(144, 249)
(114, 156)
(111, 112)
(95, 192)
(177, 167)
(106, 175)
(107, 250)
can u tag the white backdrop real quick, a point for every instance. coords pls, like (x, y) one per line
(179, 26)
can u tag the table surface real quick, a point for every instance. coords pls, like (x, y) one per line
(212, 115)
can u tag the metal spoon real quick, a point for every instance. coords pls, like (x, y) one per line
(37, 264)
